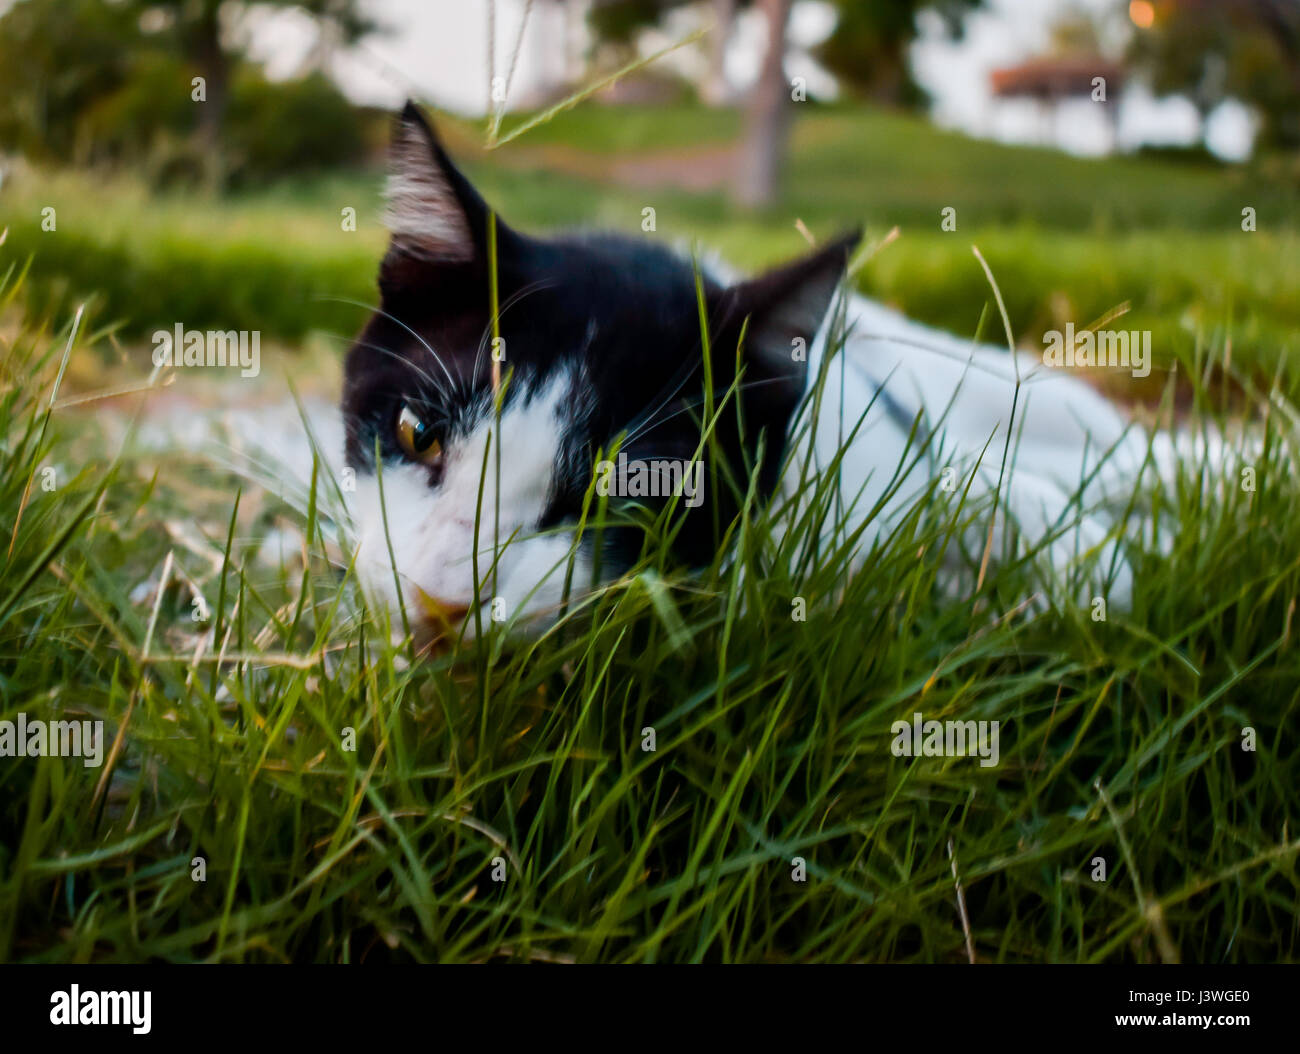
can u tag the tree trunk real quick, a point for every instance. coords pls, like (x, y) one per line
(767, 117)
(715, 90)
(214, 67)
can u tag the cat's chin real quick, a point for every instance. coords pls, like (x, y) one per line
(436, 631)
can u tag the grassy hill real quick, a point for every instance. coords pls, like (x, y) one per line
(898, 168)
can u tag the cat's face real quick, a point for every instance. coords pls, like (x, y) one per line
(598, 343)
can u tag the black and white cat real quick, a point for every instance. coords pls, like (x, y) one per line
(601, 342)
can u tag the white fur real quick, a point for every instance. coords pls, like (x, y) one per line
(431, 529)
(1062, 432)
(422, 212)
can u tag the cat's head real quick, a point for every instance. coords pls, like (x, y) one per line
(598, 343)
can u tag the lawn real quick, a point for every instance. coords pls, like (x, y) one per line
(283, 783)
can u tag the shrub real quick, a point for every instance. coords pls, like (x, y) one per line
(274, 128)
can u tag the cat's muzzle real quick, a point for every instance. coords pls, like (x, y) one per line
(441, 620)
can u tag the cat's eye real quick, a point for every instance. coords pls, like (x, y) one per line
(416, 438)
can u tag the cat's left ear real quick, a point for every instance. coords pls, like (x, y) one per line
(434, 213)
(785, 308)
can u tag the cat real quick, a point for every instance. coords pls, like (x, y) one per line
(467, 511)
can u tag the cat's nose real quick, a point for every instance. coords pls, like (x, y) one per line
(446, 614)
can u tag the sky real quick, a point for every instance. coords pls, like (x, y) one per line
(438, 51)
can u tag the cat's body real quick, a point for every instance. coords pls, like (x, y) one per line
(935, 413)
(597, 343)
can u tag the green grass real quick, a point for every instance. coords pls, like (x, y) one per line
(1121, 740)
(620, 129)
(903, 170)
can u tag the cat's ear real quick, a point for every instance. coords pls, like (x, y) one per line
(434, 214)
(785, 308)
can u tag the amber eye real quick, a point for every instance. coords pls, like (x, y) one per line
(416, 439)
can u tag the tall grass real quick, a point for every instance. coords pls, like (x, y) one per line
(500, 802)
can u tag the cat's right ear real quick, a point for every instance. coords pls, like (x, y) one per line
(436, 218)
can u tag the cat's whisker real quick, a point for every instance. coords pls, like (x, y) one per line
(638, 423)
(420, 371)
(514, 298)
(380, 311)
(651, 425)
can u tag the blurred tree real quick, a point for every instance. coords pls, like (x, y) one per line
(715, 90)
(615, 24)
(867, 49)
(767, 117)
(279, 128)
(84, 80)
(130, 122)
(1210, 51)
(197, 28)
(56, 60)
(1074, 33)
